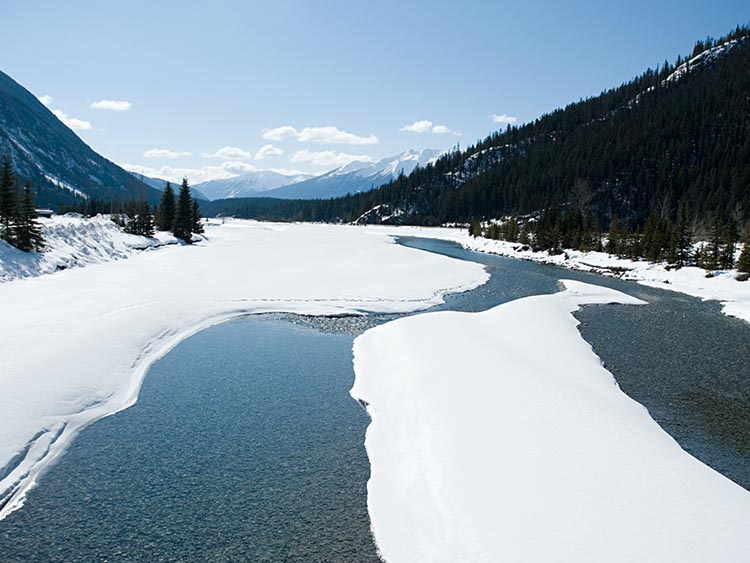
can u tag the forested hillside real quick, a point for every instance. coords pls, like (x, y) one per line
(674, 137)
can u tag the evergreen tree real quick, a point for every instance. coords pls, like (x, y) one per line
(743, 262)
(28, 230)
(711, 255)
(7, 201)
(139, 221)
(729, 241)
(197, 225)
(682, 240)
(166, 210)
(614, 238)
(183, 216)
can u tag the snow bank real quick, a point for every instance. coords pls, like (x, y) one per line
(72, 241)
(733, 295)
(499, 436)
(75, 345)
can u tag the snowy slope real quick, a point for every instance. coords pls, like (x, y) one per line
(247, 185)
(72, 241)
(60, 165)
(499, 436)
(355, 177)
(707, 57)
(96, 330)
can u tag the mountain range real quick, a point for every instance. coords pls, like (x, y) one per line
(62, 168)
(354, 177)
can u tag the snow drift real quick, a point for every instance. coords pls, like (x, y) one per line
(499, 436)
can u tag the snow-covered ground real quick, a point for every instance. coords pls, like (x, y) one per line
(72, 241)
(75, 345)
(723, 287)
(499, 436)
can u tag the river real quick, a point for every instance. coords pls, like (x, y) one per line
(244, 444)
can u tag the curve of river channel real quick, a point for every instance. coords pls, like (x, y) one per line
(244, 444)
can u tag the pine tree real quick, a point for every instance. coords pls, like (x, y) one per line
(682, 239)
(28, 230)
(614, 238)
(7, 201)
(183, 216)
(711, 255)
(166, 210)
(729, 240)
(743, 262)
(197, 225)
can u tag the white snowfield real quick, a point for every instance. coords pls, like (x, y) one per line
(75, 345)
(499, 436)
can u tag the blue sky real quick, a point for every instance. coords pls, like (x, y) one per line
(314, 84)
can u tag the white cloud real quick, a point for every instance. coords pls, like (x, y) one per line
(328, 158)
(228, 153)
(268, 150)
(441, 129)
(427, 126)
(74, 123)
(46, 99)
(228, 169)
(113, 105)
(333, 135)
(424, 126)
(279, 133)
(164, 153)
(327, 134)
(505, 119)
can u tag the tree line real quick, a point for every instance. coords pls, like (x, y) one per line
(179, 214)
(19, 225)
(661, 239)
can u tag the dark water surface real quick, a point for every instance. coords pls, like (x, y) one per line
(245, 445)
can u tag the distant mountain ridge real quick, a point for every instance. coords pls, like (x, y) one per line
(160, 184)
(248, 184)
(355, 177)
(62, 168)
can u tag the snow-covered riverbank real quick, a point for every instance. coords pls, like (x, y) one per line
(75, 345)
(723, 287)
(499, 436)
(73, 241)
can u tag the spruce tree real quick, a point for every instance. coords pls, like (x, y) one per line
(166, 210)
(682, 237)
(183, 216)
(28, 230)
(7, 201)
(197, 225)
(743, 262)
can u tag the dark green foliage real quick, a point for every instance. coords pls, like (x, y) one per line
(28, 231)
(182, 227)
(8, 202)
(743, 262)
(197, 225)
(475, 228)
(166, 210)
(140, 219)
(18, 217)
